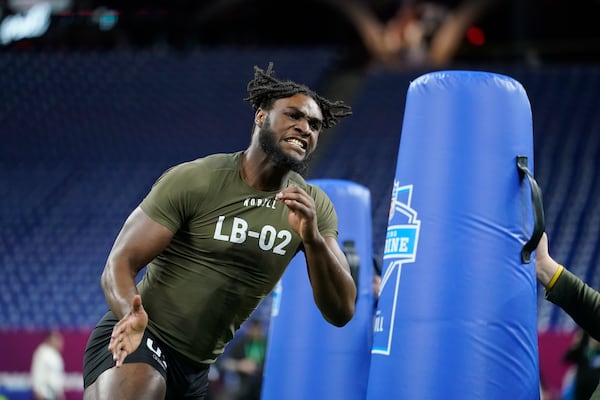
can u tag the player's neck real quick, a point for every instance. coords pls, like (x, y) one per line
(260, 173)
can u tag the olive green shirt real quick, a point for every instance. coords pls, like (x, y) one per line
(581, 302)
(231, 245)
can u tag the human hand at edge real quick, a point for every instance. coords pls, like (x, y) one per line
(127, 333)
(545, 266)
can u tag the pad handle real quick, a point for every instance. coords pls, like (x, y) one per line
(538, 210)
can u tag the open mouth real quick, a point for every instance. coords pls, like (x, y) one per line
(298, 143)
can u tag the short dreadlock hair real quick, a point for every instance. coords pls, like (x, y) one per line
(265, 88)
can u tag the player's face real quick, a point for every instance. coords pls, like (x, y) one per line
(269, 143)
(290, 131)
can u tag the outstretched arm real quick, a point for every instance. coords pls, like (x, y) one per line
(568, 291)
(334, 290)
(140, 240)
(545, 266)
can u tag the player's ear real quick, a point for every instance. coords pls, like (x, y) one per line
(259, 117)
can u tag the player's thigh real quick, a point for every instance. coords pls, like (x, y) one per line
(129, 381)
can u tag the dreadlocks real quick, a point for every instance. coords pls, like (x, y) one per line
(265, 88)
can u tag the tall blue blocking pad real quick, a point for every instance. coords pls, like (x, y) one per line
(307, 358)
(458, 308)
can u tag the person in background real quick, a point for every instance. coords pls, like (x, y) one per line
(48, 370)
(584, 355)
(246, 358)
(216, 234)
(570, 293)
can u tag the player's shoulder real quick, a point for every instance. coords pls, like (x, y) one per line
(210, 162)
(215, 161)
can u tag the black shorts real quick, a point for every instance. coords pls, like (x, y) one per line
(185, 379)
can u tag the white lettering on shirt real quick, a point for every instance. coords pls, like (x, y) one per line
(269, 239)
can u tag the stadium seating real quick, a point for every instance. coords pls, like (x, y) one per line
(84, 135)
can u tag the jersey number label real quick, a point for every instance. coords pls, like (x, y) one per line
(269, 239)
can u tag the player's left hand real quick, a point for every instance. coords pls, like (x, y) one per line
(302, 212)
(128, 332)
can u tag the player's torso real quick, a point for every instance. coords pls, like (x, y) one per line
(240, 230)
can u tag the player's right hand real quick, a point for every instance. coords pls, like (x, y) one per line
(128, 332)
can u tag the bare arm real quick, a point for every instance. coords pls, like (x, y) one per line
(334, 290)
(141, 239)
(333, 287)
(545, 266)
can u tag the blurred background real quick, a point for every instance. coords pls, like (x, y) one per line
(97, 98)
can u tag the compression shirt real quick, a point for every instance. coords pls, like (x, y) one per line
(578, 300)
(581, 302)
(231, 245)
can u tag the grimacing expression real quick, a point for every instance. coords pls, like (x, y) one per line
(269, 143)
(290, 130)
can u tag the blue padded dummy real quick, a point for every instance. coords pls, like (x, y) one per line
(308, 358)
(457, 316)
